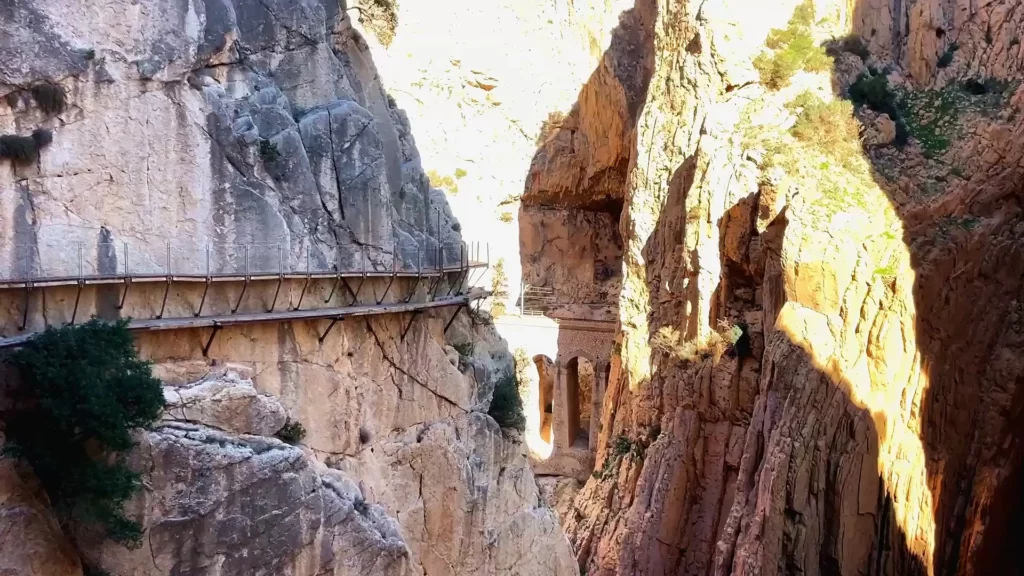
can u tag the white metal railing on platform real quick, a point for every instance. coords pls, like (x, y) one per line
(536, 300)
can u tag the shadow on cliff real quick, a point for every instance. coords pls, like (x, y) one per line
(953, 313)
(961, 218)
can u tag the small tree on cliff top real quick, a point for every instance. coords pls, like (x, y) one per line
(82, 390)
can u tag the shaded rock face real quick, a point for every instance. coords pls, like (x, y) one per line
(31, 542)
(574, 255)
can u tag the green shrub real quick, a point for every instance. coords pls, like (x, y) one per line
(506, 404)
(506, 217)
(268, 151)
(622, 446)
(499, 288)
(82, 391)
(828, 126)
(292, 432)
(460, 173)
(21, 149)
(49, 96)
(873, 92)
(792, 49)
(852, 44)
(947, 57)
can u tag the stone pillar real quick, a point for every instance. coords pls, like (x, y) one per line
(559, 434)
(597, 397)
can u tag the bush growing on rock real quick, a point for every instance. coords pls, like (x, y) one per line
(792, 49)
(268, 151)
(828, 126)
(506, 404)
(82, 391)
(499, 289)
(49, 96)
(292, 432)
(24, 149)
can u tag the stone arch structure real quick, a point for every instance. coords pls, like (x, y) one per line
(563, 414)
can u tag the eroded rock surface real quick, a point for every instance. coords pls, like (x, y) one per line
(218, 503)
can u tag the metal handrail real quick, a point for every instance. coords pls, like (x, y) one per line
(70, 262)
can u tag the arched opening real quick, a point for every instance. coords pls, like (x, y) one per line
(546, 395)
(579, 390)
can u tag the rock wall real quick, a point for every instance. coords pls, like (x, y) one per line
(269, 122)
(866, 425)
(188, 130)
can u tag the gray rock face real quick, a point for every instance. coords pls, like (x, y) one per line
(237, 121)
(227, 402)
(221, 504)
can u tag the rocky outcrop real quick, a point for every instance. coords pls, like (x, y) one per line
(467, 499)
(31, 542)
(227, 402)
(218, 503)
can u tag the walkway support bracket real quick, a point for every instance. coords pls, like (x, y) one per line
(355, 295)
(78, 298)
(209, 342)
(124, 295)
(330, 327)
(167, 290)
(277, 292)
(304, 284)
(449, 324)
(334, 288)
(24, 317)
(206, 289)
(412, 318)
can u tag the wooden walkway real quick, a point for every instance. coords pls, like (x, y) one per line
(333, 314)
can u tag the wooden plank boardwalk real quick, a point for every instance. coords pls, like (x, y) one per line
(334, 314)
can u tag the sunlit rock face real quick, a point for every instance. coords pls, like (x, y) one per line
(864, 422)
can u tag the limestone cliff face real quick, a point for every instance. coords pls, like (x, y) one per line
(190, 129)
(868, 423)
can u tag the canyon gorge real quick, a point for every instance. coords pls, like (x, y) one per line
(754, 268)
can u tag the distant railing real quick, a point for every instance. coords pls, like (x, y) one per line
(536, 300)
(60, 259)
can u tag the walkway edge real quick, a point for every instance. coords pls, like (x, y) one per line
(282, 316)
